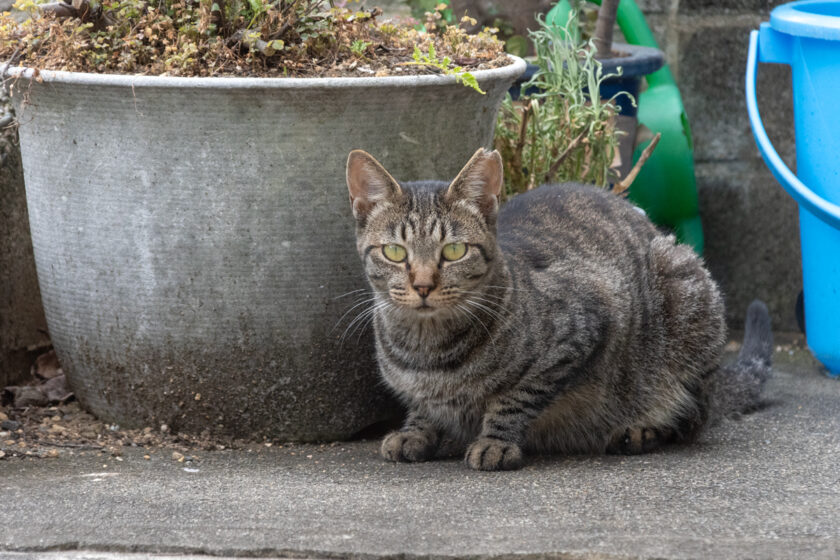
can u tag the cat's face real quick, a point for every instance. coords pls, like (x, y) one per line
(426, 248)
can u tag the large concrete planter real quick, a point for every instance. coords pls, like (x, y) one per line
(192, 236)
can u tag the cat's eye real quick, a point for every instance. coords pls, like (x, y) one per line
(395, 253)
(454, 251)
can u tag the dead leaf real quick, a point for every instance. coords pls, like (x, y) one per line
(46, 366)
(56, 390)
(21, 397)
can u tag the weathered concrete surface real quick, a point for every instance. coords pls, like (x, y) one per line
(22, 323)
(93, 555)
(765, 486)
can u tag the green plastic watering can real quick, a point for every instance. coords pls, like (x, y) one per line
(666, 187)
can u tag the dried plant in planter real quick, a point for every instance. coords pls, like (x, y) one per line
(558, 133)
(234, 38)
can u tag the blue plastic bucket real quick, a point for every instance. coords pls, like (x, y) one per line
(806, 35)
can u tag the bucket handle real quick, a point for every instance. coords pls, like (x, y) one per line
(821, 208)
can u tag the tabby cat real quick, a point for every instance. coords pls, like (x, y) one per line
(564, 323)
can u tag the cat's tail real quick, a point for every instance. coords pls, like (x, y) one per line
(736, 388)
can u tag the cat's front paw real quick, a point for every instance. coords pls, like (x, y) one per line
(409, 446)
(489, 454)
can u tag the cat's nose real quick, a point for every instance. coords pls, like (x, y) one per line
(423, 279)
(423, 289)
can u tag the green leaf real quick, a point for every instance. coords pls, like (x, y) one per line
(469, 80)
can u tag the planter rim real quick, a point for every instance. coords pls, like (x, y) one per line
(640, 60)
(510, 71)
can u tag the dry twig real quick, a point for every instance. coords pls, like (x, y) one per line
(520, 144)
(559, 161)
(621, 187)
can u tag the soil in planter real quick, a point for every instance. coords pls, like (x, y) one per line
(265, 38)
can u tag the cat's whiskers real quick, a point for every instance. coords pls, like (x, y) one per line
(480, 322)
(352, 292)
(506, 288)
(495, 316)
(493, 301)
(366, 301)
(383, 308)
(360, 317)
(503, 305)
(504, 319)
(489, 298)
(460, 315)
(473, 318)
(489, 310)
(446, 302)
(363, 319)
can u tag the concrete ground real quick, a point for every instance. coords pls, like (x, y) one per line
(764, 486)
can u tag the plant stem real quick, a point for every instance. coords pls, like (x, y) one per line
(625, 183)
(604, 28)
(559, 161)
(3, 75)
(218, 17)
(523, 130)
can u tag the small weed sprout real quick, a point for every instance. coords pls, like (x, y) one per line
(359, 47)
(445, 66)
(559, 132)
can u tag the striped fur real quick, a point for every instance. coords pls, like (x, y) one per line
(570, 326)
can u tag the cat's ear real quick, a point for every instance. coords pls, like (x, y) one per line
(479, 182)
(368, 182)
